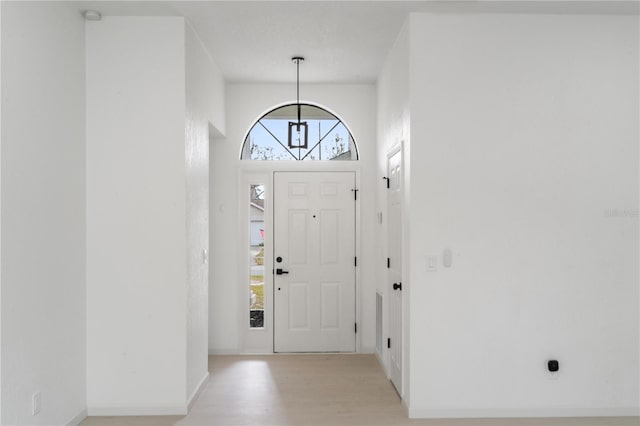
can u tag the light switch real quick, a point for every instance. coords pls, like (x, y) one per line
(447, 258)
(432, 262)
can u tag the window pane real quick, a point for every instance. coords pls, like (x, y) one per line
(256, 256)
(327, 137)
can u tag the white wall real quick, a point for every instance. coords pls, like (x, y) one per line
(136, 216)
(1, 97)
(528, 130)
(43, 212)
(204, 105)
(393, 131)
(355, 105)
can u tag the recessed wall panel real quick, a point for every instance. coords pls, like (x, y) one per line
(328, 189)
(329, 305)
(297, 190)
(298, 236)
(329, 237)
(299, 306)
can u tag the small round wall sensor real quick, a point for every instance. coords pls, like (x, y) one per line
(92, 15)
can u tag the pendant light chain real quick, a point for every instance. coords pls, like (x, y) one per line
(298, 131)
(297, 60)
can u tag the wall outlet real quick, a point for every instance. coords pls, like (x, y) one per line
(36, 403)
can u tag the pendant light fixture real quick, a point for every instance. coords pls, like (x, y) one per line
(298, 130)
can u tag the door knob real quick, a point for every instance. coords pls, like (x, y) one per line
(397, 286)
(279, 271)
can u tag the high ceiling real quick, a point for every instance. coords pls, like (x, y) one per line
(342, 41)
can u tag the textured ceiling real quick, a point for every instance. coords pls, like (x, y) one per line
(342, 41)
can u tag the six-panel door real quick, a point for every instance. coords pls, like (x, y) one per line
(314, 281)
(394, 209)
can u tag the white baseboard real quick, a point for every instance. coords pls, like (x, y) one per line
(224, 352)
(429, 413)
(382, 363)
(197, 391)
(147, 410)
(77, 419)
(367, 350)
(406, 408)
(137, 410)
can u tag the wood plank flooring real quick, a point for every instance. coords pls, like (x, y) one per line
(283, 390)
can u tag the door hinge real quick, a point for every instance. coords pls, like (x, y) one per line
(355, 194)
(355, 327)
(355, 261)
(388, 262)
(388, 180)
(389, 343)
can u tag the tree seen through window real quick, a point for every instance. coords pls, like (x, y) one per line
(328, 137)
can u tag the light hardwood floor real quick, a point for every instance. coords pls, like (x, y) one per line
(311, 390)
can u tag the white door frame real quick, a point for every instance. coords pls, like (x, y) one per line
(388, 292)
(261, 340)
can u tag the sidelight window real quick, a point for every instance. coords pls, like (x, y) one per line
(256, 256)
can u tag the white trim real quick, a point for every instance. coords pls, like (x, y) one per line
(406, 408)
(197, 391)
(263, 172)
(85, 233)
(369, 350)
(358, 274)
(224, 352)
(382, 364)
(405, 378)
(254, 340)
(137, 410)
(428, 413)
(250, 354)
(77, 419)
(295, 102)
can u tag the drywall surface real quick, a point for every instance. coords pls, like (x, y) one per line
(246, 103)
(204, 105)
(528, 130)
(1, 97)
(43, 212)
(136, 219)
(393, 131)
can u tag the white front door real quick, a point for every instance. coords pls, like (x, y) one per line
(314, 255)
(394, 290)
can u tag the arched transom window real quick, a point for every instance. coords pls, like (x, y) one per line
(299, 132)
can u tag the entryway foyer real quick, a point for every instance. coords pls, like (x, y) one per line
(497, 276)
(328, 389)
